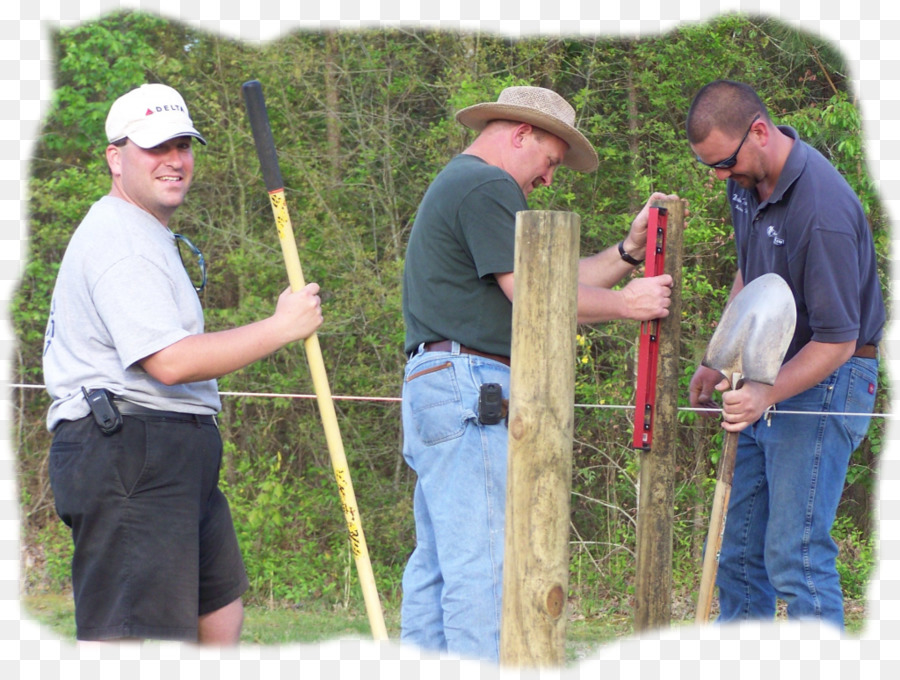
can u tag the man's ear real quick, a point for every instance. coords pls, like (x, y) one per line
(114, 159)
(520, 132)
(761, 130)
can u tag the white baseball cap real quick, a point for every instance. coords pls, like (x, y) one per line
(150, 115)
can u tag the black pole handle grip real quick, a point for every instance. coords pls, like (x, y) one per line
(262, 135)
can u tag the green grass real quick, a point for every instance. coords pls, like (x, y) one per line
(265, 625)
(274, 625)
(262, 625)
(54, 610)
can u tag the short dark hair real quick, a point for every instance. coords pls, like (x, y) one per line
(724, 105)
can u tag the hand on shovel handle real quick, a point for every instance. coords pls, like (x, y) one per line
(746, 404)
(703, 385)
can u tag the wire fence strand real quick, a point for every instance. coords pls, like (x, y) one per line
(611, 407)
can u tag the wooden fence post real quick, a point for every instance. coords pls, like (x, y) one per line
(541, 427)
(656, 501)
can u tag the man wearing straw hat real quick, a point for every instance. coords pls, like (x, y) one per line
(457, 306)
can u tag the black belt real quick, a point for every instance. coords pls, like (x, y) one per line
(867, 352)
(128, 408)
(447, 346)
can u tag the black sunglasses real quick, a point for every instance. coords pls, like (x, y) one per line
(202, 262)
(732, 159)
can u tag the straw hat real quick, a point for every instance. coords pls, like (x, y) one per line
(542, 108)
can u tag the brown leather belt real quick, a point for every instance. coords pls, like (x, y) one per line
(447, 346)
(867, 352)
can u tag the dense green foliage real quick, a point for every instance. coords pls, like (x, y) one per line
(363, 121)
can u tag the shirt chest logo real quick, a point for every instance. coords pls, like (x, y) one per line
(772, 233)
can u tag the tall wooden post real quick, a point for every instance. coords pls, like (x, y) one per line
(541, 427)
(656, 501)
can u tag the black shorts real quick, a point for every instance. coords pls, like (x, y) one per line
(155, 546)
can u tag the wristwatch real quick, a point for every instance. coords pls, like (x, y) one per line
(625, 256)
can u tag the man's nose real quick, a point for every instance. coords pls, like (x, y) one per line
(173, 157)
(548, 176)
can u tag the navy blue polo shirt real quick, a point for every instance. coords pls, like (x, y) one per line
(813, 232)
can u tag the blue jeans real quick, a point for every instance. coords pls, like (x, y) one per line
(788, 479)
(452, 582)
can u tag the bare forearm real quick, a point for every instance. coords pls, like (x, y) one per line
(817, 360)
(212, 355)
(641, 300)
(606, 268)
(811, 365)
(596, 304)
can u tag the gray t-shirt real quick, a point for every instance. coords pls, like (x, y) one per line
(464, 233)
(121, 294)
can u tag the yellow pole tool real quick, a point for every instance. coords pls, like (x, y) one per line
(268, 159)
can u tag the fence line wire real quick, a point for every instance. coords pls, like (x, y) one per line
(611, 407)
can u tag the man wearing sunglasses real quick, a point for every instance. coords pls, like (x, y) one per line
(794, 215)
(132, 376)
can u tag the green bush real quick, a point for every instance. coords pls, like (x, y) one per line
(856, 557)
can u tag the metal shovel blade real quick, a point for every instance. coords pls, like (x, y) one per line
(755, 331)
(749, 344)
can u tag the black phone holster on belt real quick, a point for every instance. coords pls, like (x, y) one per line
(104, 410)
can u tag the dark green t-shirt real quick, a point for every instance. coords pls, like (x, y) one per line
(464, 233)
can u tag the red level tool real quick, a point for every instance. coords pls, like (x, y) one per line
(648, 351)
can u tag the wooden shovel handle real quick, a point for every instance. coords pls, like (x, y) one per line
(716, 527)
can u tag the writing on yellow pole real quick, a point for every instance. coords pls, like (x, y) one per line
(286, 238)
(350, 512)
(279, 208)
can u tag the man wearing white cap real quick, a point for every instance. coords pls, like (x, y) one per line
(132, 377)
(457, 305)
